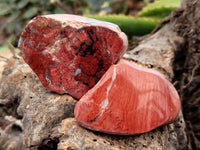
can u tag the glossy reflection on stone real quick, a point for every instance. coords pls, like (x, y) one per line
(128, 100)
(70, 53)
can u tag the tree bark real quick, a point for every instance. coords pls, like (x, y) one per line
(187, 68)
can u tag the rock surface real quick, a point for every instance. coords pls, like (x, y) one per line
(11, 133)
(22, 94)
(43, 112)
(128, 100)
(70, 53)
(19, 86)
(164, 138)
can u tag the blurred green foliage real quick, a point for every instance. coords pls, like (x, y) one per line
(145, 21)
(159, 9)
(17, 13)
(130, 25)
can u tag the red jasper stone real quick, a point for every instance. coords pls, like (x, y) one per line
(128, 100)
(70, 53)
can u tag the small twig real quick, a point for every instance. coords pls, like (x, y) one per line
(175, 83)
(191, 133)
(167, 19)
(164, 21)
(159, 25)
(192, 75)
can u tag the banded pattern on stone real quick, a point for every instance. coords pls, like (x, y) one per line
(128, 100)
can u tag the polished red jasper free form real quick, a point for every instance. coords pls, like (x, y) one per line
(70, 53)
(128, 100)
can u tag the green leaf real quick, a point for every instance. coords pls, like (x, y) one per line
(30, 13)
(12, 4)
(4, 11)
(159, 8)
(22, 4)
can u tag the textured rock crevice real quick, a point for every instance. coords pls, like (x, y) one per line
(187, 69)
(11, 133)
(41, 110)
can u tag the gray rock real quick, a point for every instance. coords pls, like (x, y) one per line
(11, 134)
(48, 118)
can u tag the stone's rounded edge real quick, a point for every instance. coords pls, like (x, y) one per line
(144, 69)
(86, 125)
(21, 39)
(87, 21)
(108, 131)
(175, 99)
(125, 44)
(92, 22)
(170, 114)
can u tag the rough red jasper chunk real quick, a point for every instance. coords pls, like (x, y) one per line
(70, 53)
(128, 100)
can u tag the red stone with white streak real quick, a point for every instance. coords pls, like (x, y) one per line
(70, 53)
(128, 100)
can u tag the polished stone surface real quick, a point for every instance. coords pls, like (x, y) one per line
(128, 100)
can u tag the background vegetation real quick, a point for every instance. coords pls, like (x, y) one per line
(15, 14)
